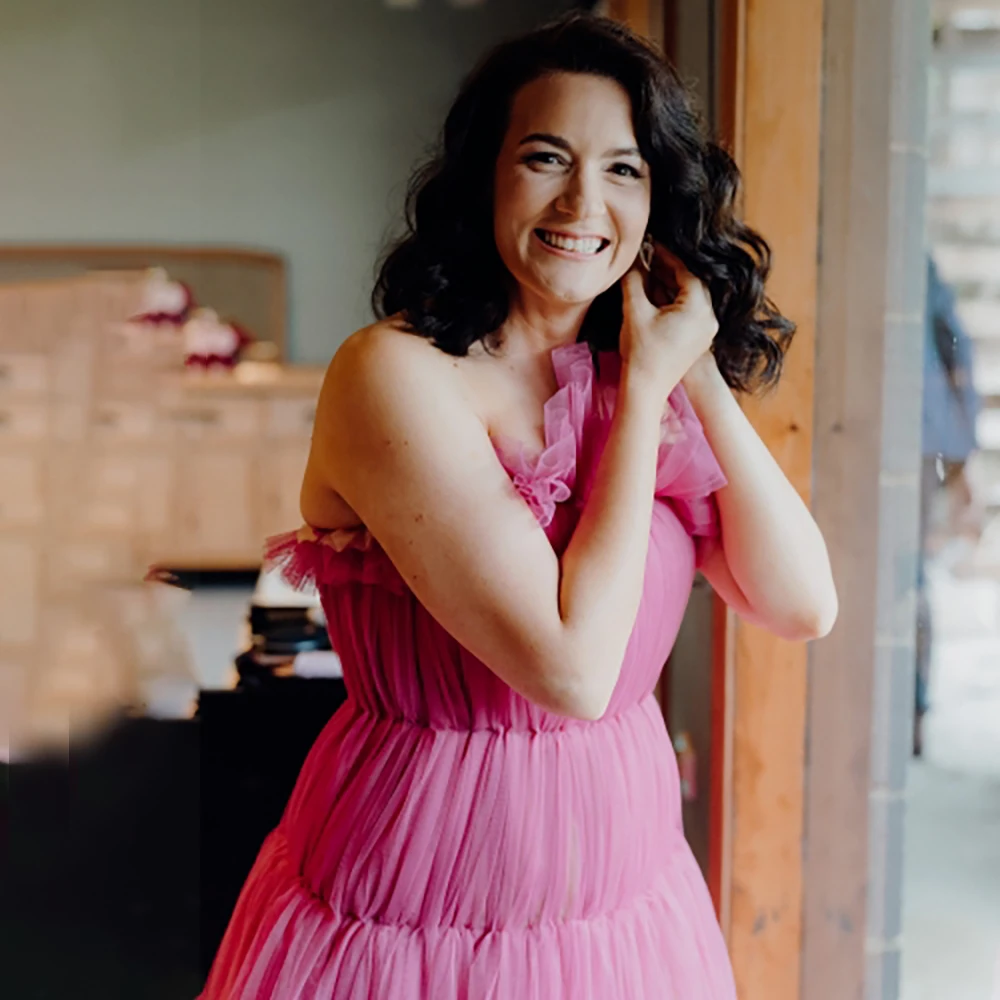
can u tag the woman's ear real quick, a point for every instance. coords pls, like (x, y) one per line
(646, 252)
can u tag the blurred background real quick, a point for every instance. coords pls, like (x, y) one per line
(192, 201)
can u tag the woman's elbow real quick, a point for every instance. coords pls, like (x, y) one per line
(581, 702)
(587, 708)
(815, 622)
(828, 612)
(573, 696)
(582, 709)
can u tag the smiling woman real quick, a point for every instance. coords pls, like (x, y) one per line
(513, 477)
(622, 131)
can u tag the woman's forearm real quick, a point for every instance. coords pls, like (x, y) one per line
(772, 547)
(604, 565)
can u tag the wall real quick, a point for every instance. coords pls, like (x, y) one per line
(694, 56)
(287, 124)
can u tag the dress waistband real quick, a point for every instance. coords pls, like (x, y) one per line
(561, 725)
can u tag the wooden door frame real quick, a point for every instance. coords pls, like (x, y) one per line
(730, 111)
(645, 17)
(770, 119)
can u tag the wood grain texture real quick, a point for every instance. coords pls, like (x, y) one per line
(732, 88)
(643, 16)
(670, 14)
(771, 73)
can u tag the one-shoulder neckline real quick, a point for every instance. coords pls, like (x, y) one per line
(577, 415)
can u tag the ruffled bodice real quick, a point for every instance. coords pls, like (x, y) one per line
(554, 483)
(449, 839)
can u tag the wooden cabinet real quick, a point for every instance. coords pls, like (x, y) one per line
(23, 374)
(289, 417)
(113, 459)
(234, 456)
(21, 475)
(107, 443)
(197, 481)
(23, 423)
(279, 473)
(20, 558)
(215, 523)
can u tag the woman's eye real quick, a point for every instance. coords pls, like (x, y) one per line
(625, 170)
(546, 159)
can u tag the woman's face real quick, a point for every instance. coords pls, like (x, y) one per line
(571, 193)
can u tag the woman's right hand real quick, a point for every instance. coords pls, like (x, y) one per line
(659, 343)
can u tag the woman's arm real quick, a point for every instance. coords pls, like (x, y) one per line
(397, 438)
(772, 567)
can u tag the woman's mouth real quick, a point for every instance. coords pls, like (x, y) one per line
(571, 246)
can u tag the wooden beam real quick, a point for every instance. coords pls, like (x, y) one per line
(720, 809)
(670, 13)
(770, 111)
(644, 17)
(732, 71)
(732, 74)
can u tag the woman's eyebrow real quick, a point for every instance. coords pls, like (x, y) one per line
(552, 140)
(559, 142)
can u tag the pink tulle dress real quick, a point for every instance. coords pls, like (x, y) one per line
(449, 840)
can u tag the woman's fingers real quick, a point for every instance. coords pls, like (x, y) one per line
(635, 301)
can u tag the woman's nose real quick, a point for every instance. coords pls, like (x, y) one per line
(582, 197)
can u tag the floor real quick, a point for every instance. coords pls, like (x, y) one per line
(951, 894)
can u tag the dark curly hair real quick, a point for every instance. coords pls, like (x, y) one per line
(445, 276)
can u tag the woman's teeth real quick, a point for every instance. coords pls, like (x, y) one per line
(588, 244)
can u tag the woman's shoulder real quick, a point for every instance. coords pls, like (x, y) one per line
(382, 347)
(388, 365)
(380, 386)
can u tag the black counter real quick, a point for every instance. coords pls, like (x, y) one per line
(123, 859)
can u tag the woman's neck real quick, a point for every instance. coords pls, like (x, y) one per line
(534, 328)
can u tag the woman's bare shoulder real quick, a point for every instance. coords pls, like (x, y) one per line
(384, 351)
(385, 382)
(387, 370)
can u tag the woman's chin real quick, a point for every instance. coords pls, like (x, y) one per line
(580, 293)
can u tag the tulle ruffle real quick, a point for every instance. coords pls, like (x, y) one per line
(302, 950)
(548, 478)
(688, 474)
(577, 422)
(310, 557)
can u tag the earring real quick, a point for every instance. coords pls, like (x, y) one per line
(646, 252)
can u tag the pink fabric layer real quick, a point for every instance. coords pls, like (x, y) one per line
(448, 839)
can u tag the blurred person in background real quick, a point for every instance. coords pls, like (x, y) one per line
(514, 474)
(950, 409)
